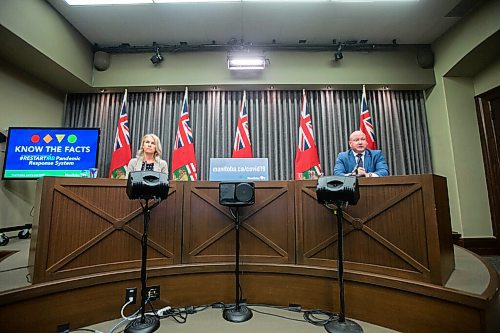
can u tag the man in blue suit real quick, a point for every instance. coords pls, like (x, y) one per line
(359, 160)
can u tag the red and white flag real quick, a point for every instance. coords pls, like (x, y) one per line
(183, 157)
(307, 164)
(242, 146)
(122, 152)
(365, 123)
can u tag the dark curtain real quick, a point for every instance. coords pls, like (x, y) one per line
(398, 117)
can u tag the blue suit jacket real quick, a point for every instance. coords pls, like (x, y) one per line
(374, 162)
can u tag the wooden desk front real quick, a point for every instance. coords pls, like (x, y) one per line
(400, 227)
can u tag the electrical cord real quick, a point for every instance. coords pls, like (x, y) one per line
(276, 315)
(130, 300)
(153, 309)
(124, 320)
(129, 318)
(177, 314)
(200, 308)
(310, 316)
(180, 314)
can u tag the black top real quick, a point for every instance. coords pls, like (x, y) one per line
(147, 166)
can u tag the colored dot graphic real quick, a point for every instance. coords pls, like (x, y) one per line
(35, 138)
(72, 138)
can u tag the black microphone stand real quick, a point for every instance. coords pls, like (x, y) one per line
(144, 324)
(239, 313)
(342, 324)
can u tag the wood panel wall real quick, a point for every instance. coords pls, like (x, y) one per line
(87, 227)
(267, 232)
(399, 227)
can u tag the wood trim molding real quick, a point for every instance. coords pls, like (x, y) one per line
(371, 297)
(481, 245)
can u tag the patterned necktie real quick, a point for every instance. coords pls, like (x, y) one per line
(359, 161)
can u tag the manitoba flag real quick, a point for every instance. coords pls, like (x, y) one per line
(365, 123)
(307, 164)
(242, 146)
(183, 158)
(121, 149)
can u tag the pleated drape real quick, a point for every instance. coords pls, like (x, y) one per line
(398, 117)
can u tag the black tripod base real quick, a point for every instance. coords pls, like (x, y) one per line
(149, 325)
(237, 314)
(344, 326)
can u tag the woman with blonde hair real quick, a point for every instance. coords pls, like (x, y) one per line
(148, 157)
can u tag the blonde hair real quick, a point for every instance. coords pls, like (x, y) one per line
(158, 150)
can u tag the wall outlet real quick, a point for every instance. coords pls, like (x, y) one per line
(153, 293)
(131, 293)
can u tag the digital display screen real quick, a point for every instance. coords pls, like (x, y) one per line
(62, 152)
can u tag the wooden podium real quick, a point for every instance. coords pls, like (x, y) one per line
(400, 227)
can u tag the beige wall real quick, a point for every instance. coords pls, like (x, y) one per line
(24, 102)
(455, 144)
(488, 78)
(39, 25)
(286, 68)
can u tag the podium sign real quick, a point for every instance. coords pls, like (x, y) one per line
(239, 169)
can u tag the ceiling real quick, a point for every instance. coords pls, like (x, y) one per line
(254, 23)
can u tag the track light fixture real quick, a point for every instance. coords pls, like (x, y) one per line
(157, 57)
(233, 46)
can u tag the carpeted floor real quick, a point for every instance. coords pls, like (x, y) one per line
(264, 320)
(5, 254)
(14, 266)
(494, 261)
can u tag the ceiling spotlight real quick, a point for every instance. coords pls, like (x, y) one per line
(157, 57)
(246, 61)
